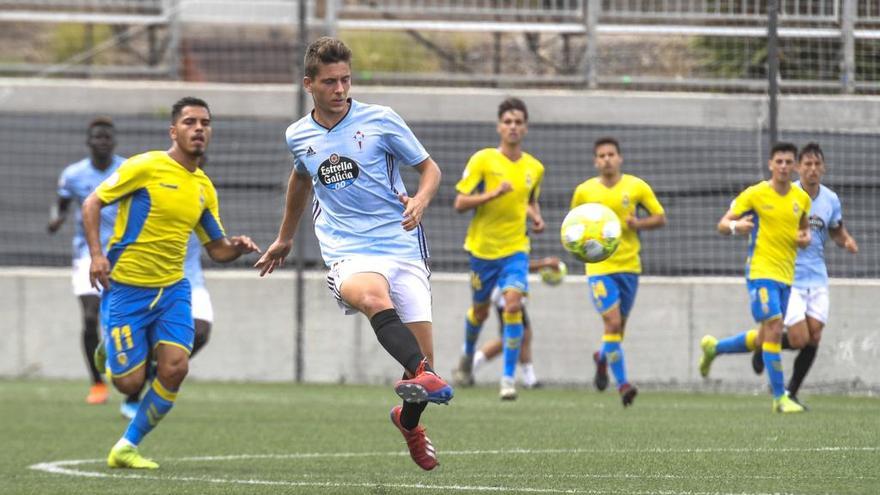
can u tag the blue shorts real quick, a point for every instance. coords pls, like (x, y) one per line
(510, 272)
(137, 319)
(769, 298)
(614, 289)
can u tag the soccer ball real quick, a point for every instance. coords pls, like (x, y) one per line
(553, 275)
(591, 232)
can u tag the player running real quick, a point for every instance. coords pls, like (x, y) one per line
(502, 184)
(163, 197)
(775, 215)
(615, 281)
(77, 181)
(350, 154)
(807, 310)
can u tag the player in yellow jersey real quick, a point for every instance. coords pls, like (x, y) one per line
(502, 184)
(614, 282)
(163, 197)
(775, 215)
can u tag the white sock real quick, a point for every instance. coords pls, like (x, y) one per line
(479, 359)
(528, 374)
(123, 442)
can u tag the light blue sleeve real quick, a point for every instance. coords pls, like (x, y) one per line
(65, 184)
(298, 166)
(836, 213)
(400, 141)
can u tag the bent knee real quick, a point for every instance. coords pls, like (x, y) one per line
(174, 372)
(128, 385)
(480, 312)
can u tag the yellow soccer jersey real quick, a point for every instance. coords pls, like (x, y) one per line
(629, 193)
(499, 227)
(160, 203)
(773, 241)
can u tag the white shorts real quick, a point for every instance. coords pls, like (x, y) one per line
(201, 305)
(408, 280)
(80, 279)
(807, 302)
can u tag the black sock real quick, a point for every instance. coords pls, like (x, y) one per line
(398, 340)
(90, 343)
(758, 361)
(785, 343)
(411, 413)
(802, 364)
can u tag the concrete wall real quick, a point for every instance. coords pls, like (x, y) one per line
(842, 113)
(254, 339)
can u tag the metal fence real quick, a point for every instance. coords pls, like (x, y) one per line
(716, 45)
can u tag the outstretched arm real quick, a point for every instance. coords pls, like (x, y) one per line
(228, 249)
(299, 188)
(414, 207)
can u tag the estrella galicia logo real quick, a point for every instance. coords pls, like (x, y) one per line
(338, 172)
(816, 223)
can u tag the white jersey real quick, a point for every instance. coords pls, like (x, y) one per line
(355, 173)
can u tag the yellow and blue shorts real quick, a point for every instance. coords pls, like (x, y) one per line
(614, 289)
(768, 298)
(137, 319)
(510, 272)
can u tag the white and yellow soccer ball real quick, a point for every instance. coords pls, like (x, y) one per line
(591, 232)
(553, 275)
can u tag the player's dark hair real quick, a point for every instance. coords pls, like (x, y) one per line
(187, 101)
(325, 50)
(513, 104)
(783, 147)
(102, 121)
(811, 148)
(606, 140)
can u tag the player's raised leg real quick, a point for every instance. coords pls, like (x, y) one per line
(740, 343)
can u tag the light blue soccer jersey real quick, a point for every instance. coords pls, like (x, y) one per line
(355, 172)
(825, 213)
(192, 264)
(77, 181)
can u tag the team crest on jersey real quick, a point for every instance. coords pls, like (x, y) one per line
(625, 201)
(338, 172)
(359, 139)
(796, 209)
(528, 181)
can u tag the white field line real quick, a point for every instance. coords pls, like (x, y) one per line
(65, 468)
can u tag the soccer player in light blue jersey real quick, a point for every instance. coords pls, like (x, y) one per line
(350, 154)
(808, 305)
(807, 309)
(77, 181)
